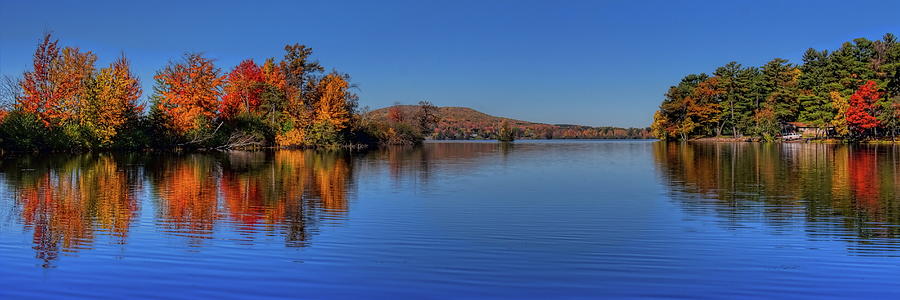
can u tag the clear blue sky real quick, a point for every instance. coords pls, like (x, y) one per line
(583, 62)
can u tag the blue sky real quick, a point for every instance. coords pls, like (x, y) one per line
(583, 62)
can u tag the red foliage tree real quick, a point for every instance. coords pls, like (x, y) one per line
(860, 114)
(53, 90)
(242, 90)
(37, 87)
(395, 114)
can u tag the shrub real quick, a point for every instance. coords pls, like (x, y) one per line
(22, 131)
(324, 133)
(394, 133)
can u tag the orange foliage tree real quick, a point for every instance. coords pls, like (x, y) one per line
(336, 103)
(188, 91)
(53, 90)
(75, 71)
(395, 114)
(273, 75)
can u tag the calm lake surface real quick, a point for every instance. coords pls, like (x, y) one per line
(457, 220)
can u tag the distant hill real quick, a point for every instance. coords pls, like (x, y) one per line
(463, 123)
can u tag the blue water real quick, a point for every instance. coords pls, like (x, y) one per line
(457, 220)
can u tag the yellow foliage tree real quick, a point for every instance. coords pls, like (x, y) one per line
(840, 119)
(291, 138)
(660, 126)
(117, 91)
(336, 102)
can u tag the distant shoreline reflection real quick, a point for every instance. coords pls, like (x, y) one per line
(837, 192)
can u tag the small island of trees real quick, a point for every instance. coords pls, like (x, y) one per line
(64, 102)
(852, 93)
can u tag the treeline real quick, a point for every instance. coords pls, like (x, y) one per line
(463, 123)
(534, 131)
(851, 93)
(64, 102)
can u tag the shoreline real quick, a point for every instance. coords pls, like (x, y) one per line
(799, 141)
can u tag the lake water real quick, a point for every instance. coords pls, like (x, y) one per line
(457, 220)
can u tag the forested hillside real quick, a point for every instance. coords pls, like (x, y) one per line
(462, 123)
(852, 92)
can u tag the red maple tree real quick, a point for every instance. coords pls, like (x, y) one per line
(242, 90)
(860, 113)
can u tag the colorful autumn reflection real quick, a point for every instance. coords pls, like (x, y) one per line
(286, 192)
(186, 190)
(66, 203)
(71, 203)
(863, 175)
(857, 186)
(258, 193)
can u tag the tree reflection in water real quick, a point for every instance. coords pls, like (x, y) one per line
(67, 202)
(835, 191)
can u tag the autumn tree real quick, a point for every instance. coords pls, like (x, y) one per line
(426, 117)
(704, 105)
(38, 87)
(505, 133)
(861, 114)
(395, 114)
(336, 103)
(188, 93)
(273, 75)
(841, 106)
(76, 69)
(115, 93)
(243, 89)
(273, 97)
(54, 88)
(660, 126)
(682, 109)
